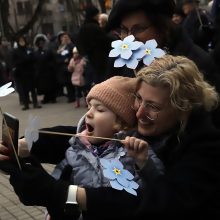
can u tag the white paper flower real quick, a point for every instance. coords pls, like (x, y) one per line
(119, 177)
(6, 89)
(124, 49)
(31, 133)
(151, 51)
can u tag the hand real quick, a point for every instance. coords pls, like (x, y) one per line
(137, 148)
(32, 184)
(23, 150)
(4, 152)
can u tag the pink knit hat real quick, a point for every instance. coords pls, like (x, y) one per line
(116, 94)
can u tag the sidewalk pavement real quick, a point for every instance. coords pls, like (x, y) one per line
(60, 113)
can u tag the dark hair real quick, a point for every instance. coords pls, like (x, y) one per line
(123, 8)
(91, 11)
(190, 1)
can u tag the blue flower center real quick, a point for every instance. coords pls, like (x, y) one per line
(124, 46)
(117, 171)
(148, 51)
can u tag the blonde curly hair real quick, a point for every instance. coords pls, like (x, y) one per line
(188, 89)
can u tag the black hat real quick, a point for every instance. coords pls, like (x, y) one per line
(91, 11)
(179, 11)
(189, 1)
(126, 7)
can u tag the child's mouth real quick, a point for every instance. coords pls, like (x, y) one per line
(89, 129)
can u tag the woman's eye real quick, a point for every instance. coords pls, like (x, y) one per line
(155, 108)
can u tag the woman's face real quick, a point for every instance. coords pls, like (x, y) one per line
(140, 26)
(177, 19)
(165, 116)
(65, 39)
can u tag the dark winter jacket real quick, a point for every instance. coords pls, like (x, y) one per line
(94, 43)
(45, 67)
(189, 188)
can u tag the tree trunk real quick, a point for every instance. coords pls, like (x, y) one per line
(10, 34)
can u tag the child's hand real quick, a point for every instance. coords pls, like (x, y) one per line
(137, 148)
(23, 148)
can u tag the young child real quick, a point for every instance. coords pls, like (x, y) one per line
(77, 67)
(110, 114)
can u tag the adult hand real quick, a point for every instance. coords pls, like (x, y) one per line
(34, 186)
(23, 150)
(4, 152)
(137, 148)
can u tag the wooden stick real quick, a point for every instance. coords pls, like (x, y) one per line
(81, 135)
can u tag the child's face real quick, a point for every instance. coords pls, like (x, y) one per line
(100, 121)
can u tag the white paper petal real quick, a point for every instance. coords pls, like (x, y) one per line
(109, 174)
(116, 185)
(119, 62)
(28, 139)
(114, 53)
(116, 43)
(6, 85)
(135, 45)
(133, 185)
(129, 39)
(126, 54)
(128, 175)
(105, 163)
(122, 180)
(148, 59)
(6, 91)
(131, 191)
(158, 53)
(117, 163)
(132, 64)
(151, 43)
(140, 53)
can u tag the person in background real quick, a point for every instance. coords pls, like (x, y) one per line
(103, 19)
(94, 43)
(198, 23)
(45, 70)
(63, 56)
(77, 67)
(172, 104)
(178, 16)
(24, 73)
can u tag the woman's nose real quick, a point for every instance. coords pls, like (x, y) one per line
(140, 111)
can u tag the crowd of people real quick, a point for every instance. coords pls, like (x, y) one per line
(161, 121)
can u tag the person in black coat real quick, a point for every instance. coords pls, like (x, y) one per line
(45, 70)
(198, 23)
(24, 73)
(94, 43)
(63, 56)
(172, 106)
